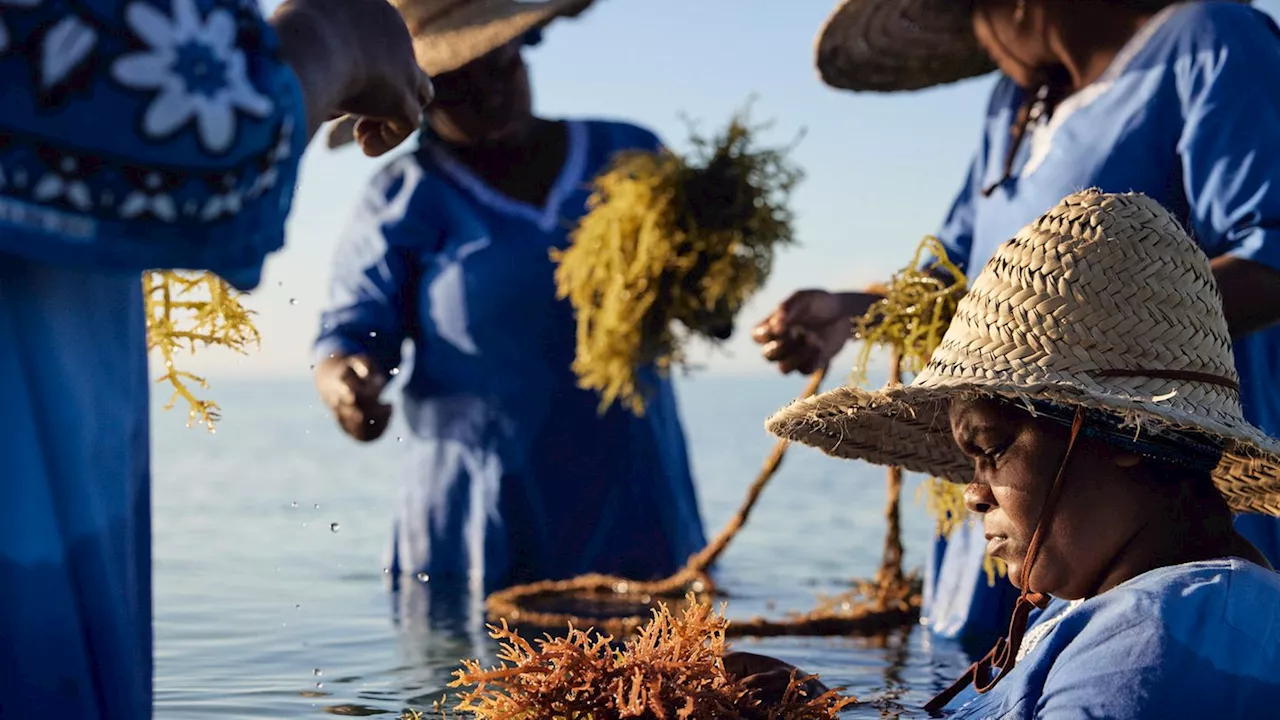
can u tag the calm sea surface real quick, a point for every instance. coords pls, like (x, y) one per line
(270, 599)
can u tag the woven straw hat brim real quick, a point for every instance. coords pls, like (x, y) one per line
(1100, 283)
(445, 42)
(896, 45)
(899, 45)
(467, 31)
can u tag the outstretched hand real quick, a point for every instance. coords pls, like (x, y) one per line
(768, 677)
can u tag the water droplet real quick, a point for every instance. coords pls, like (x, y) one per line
(304, 524)
(293, 301)
(317, 672)
(295, 607)
(294, 504)
(333, 527)
(319, 685)
(399, 439)
(423, 577)
(317, 506)
(373, 334)
(386, 571)
(395, 372)
(313, 367)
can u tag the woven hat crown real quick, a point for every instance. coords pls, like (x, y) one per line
(1104, 295)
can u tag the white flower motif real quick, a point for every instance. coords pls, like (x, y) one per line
(159, 204)
(63, 183)
(4, 29)
(66, 45)
(195, 71)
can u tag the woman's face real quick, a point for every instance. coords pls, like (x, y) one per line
(487, 101)
(1017, 45)
(1016, 457)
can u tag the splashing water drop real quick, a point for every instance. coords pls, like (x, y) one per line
(373, 333)
(423, 577)
(394, 372)
(317, 672)
(333, 527)
(293, 504)
(293, 301)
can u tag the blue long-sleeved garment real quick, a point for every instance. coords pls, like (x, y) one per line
(134, 134)
(1187, 114)
(1200, 640)
(512, 474)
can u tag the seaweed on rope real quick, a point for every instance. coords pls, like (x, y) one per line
(670, 249)
(190, 310)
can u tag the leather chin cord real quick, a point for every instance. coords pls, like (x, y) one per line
(1005, 653)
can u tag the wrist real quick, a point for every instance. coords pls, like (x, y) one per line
(855, 304)
(318, 54)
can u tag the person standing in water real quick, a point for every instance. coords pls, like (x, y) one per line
(1173, 99)
(128, 128)
(513, 474)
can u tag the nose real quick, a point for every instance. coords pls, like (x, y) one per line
(978, 498)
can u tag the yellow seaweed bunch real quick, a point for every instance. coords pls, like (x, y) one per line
(919, 302)
(671, 242)
(671, 670)
(190, 310)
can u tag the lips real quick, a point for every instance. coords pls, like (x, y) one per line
(994, 542)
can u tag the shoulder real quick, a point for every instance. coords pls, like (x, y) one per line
(620, 135)
(1212, 32)
(1204, 608)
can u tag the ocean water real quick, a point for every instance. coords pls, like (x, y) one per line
(270, 535)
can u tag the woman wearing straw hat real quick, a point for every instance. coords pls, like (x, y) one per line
(1087, 394)
(1176, 100)
(513, 474)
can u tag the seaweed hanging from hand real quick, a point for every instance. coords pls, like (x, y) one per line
(671, 248)
(190, 310)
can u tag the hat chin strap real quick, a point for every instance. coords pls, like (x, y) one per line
(1004, 655)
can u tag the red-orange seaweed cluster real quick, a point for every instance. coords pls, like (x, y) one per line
(671, 669)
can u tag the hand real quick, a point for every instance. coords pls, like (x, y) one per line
(355, 57)
(768, 677)
(809, 328)
(349, 385)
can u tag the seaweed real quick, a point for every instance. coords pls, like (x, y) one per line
(671, 248)
(186, 311)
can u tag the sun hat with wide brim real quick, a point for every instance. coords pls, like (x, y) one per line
(1103, 303)
(448, 34)
(893, 45)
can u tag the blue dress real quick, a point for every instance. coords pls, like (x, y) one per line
(1200, 640)
(512, 474)
(134, 134)
(1184, 116)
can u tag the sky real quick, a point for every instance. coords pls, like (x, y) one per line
(881, 170)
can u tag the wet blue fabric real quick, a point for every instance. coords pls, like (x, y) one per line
(1200, 640)
(512, 474)
(1184, 116)
(134, 134)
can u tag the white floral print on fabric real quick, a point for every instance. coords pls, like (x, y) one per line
(195, 70)
(4, 29)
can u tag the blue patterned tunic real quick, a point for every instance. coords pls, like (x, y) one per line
(134, 134)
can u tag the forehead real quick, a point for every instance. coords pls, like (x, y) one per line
(967, 413)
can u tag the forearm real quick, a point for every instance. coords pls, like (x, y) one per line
(1250, 294)
(318, 55)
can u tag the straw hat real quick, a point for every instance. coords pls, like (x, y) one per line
(891, 45)
(448, 34)
(1104, 302)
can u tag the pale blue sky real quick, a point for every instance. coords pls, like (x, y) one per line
(881, 169)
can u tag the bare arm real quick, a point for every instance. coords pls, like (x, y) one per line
(1250, 294)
